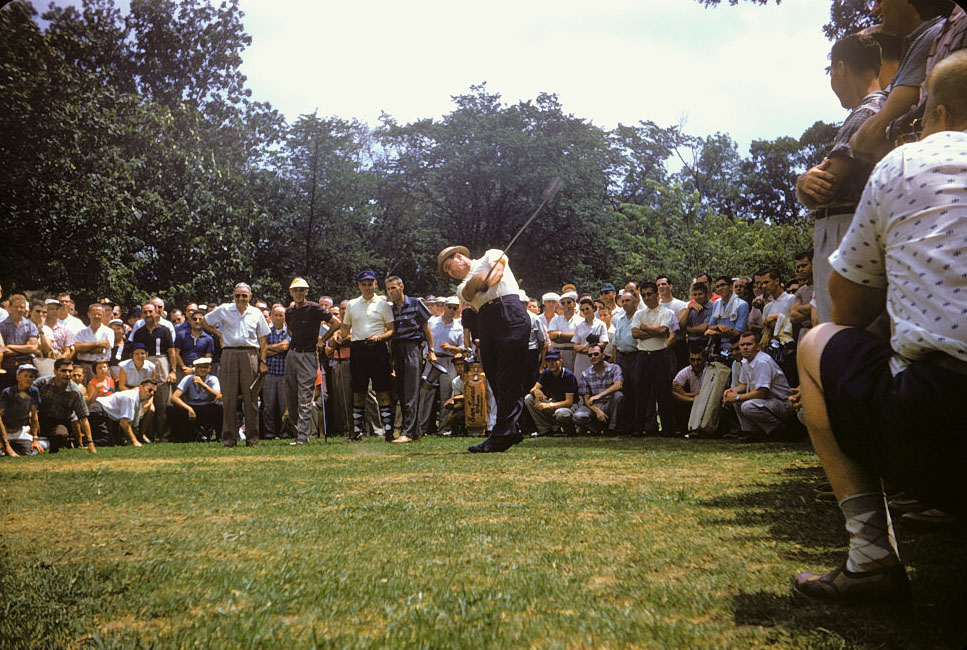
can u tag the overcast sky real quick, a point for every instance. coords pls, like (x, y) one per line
(751, 71)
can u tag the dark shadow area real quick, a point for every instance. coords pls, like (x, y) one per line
(936, 563)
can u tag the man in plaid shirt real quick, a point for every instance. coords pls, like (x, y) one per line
(600, 389)
(59, 399)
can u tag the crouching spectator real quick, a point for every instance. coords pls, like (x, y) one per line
(687, 385)
(61, 398)
(551, 400)
(759, 392)
(113, 418)
(195, 412)
(19, 423)
(600, 389)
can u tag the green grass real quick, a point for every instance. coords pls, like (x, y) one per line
(574, 542)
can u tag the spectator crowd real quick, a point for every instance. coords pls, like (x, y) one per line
(721, 357)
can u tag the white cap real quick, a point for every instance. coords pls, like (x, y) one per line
(550, 295)
(570, 294)
(453, 300)
(202, 361)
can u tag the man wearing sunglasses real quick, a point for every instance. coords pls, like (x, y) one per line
(243, 331)
(600, 389)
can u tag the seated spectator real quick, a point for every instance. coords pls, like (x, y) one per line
(587, 330)
(19, 423)
(195, 412)
(600, 389)
(759, 392)
(102, 383)
(122, 409)
(21, 340)
(135, 370)
(730, 316)
(688, 383)
(551, 400)
(60, 399)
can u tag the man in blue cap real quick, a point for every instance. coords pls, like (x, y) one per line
(369, 321)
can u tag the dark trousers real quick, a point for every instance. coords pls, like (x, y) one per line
(59, 434)
(504, 328)
(628, 362)
(105, 431)
(408, 363)
(654, 386)
(207, 422)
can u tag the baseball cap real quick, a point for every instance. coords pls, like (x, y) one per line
(365, 275)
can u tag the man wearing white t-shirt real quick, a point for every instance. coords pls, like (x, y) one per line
(561, 328)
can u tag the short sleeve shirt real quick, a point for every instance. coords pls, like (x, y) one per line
(557, 387)
(238, 329)
(582, 330)
(859, 170)
(657, 317)
(87, 335)
(125, 404)
(909, 235)
(761, 372)
(157, 341)
(591, 383)
(450, 333)
(304, 322)
(195, 395)
(134, 375)
(16, 406)
(913, 64)
(409, 319)
(191, 348)
(60, 404)
(507, 285)
(368, 317)
(687, 379)
(18, 334)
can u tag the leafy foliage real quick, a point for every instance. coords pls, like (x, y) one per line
(135, 163)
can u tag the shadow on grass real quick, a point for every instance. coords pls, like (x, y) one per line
(936, 563)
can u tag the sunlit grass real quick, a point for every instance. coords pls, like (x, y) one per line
(577, 542)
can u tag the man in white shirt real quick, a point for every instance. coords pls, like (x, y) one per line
(65, 318)
(776, 318)
(489, 285)
(676, 338)
(759, 391)
(893, 410)
(243, 331)
(650, 327)
(94, 342)
(369, 323)
(125, 409)
(561, 328)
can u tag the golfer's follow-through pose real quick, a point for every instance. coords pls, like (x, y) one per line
(489, 286)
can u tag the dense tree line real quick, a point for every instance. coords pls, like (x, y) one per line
(134, 162)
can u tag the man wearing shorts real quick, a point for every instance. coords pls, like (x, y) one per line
(893, 410)
(369, 320)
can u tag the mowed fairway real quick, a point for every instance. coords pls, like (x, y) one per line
(559, 543)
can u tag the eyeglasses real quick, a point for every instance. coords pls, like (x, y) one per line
(242, 295)
(567, 302)
(594, 354)
(454, 307)
(647, 294)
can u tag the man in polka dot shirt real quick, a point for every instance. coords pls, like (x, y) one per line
(894, 410)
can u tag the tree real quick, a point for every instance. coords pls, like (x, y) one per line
(845, 16)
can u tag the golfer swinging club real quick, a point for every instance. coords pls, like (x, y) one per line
(490, 287)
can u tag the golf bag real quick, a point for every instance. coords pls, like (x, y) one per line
(707, 407)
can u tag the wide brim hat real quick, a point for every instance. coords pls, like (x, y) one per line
(446, 254)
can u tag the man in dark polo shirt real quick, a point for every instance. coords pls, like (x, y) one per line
(193, 342)
(303, 318)
(157, 340)
(410, 318)
(552, 400)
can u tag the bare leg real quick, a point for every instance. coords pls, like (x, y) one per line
(845, 475)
